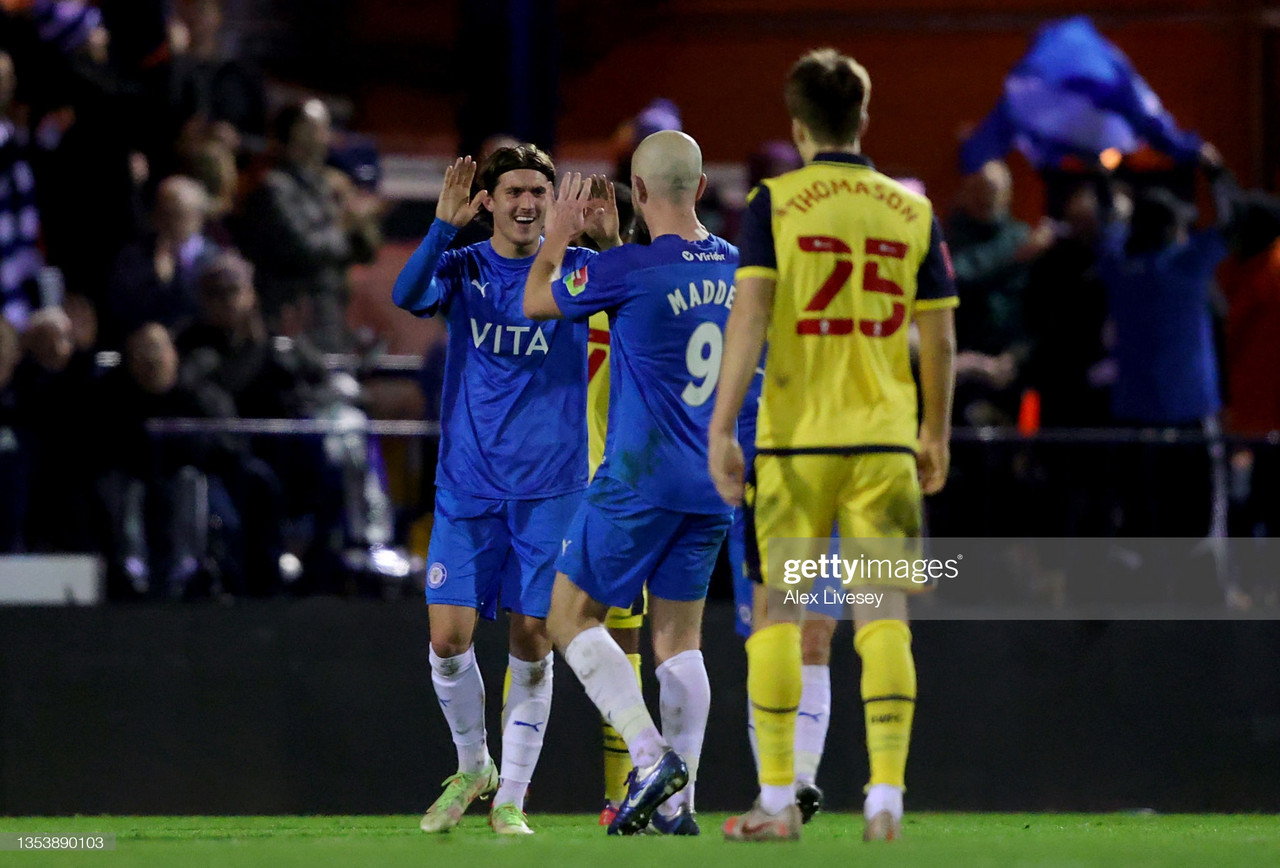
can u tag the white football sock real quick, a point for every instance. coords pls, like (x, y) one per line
(610, 682)
(461, 693)
(774, 799)
(524, 725)
(812, 719)
(684, 703)
(883, 797)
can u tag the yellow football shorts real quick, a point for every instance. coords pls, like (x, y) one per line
(869, 495)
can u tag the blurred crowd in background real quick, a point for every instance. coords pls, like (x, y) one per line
(176, 237)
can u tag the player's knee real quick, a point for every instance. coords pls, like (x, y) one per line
(667, 643)
(815, 641)
(529, 639)
(452, 645)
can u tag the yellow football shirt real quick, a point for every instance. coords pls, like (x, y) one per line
(597, 387)
(854, 255)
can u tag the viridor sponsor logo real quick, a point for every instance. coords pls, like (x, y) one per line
(508, 340)
(690, 256)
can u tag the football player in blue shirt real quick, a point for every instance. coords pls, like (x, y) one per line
(512, 466)
(651, 514)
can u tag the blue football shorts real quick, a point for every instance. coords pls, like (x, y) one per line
(487, 552)
(618, 544)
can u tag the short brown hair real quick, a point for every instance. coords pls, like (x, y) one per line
(505, 160)
(827, 92)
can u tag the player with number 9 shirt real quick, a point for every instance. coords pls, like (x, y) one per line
(651, 515)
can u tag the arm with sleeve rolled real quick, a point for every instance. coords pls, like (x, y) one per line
(416, 289)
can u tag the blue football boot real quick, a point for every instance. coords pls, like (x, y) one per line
(682, 822)
(646, 789)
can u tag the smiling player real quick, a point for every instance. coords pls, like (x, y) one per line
(512, 466)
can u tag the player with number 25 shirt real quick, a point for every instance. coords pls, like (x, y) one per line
(837, 261)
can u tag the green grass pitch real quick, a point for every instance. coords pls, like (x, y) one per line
(946, 840)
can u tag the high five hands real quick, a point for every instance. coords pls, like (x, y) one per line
(456, 205)
(585, 204)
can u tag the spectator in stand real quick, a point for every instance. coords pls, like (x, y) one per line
(71, 25)
(84, 324)
(1067, 486)
(229, 345)
(55, 391)
(1251, 281)
(20, 256)
(213, 163)
(210, 85)
(991, 252)
(96, 124)
(13, 464)
(155, 279)
(159, 493)
(1065, 312)
(1159, 275)
(302, 235)
(331, 490)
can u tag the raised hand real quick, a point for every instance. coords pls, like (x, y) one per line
(602, 214)
(567, 215)
(456, 205)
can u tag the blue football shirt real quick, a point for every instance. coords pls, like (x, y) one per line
(513, 409)
(667, 304)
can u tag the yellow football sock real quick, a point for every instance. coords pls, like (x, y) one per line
(888, 697)
(617, 760)
(773, 684)
(506, 689)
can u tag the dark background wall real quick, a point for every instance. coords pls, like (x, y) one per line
(937, 66)
(325, 706)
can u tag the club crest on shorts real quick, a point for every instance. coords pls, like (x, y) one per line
(436, 575)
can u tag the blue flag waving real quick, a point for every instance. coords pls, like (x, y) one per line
(1075, 93)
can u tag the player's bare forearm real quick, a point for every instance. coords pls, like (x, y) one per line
(539, 302)
(937, 371)
(744, 337)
